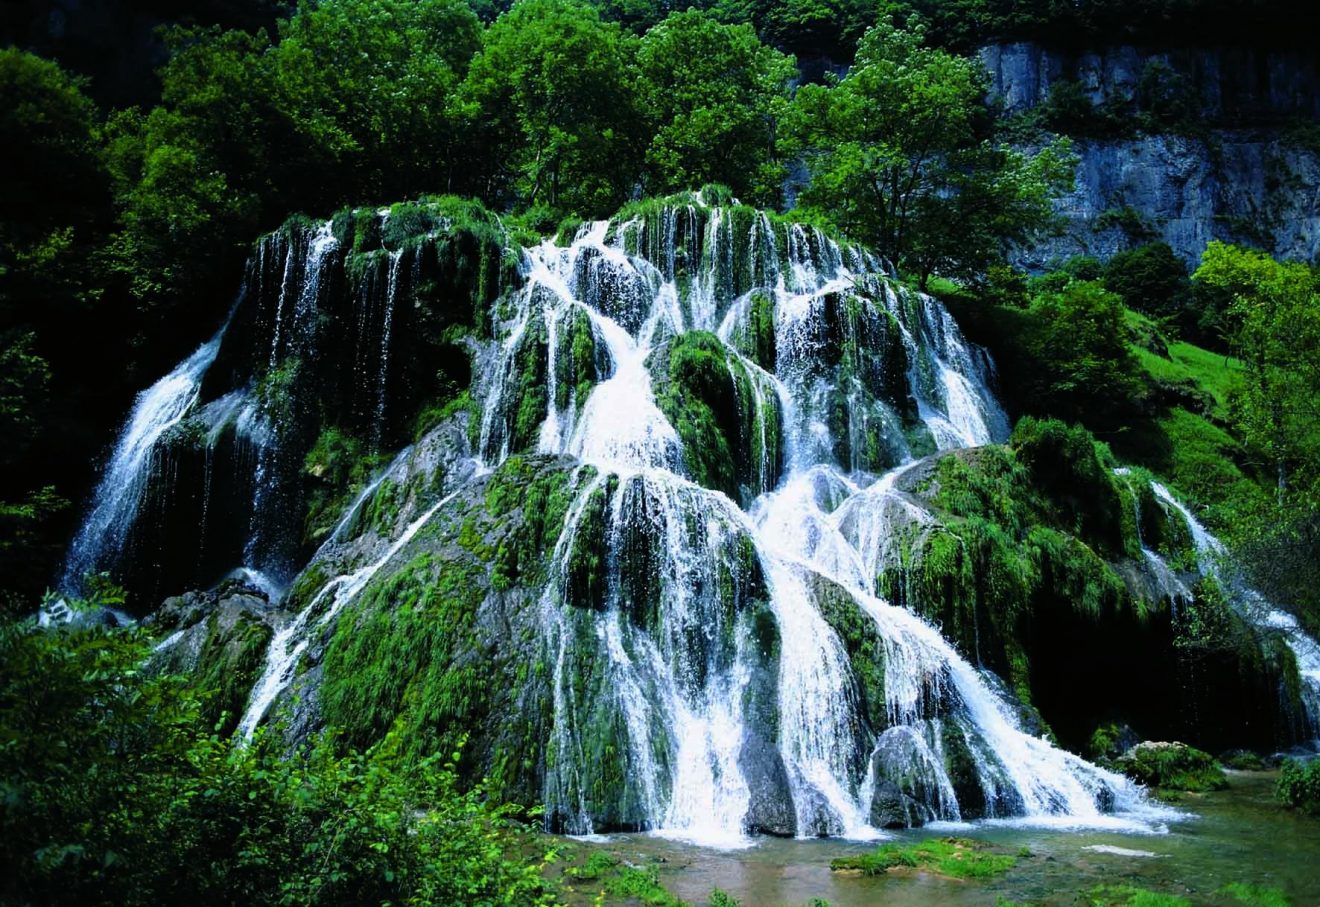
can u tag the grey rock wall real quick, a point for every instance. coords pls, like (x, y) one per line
(1234, 86)
(1247, 187)
(1248, 177)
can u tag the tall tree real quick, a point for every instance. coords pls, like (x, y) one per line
(550, 97)
(901, 155)
(54, 214)
(1274, 322)
(713, 95)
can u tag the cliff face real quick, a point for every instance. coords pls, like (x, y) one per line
(1247, 173)
(1231, 85)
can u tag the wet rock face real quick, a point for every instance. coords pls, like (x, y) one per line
(771, 809)
(220, 637)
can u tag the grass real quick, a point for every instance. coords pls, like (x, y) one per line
(1255, 895)
(1214, 373)
(642, 884)
(1130, 896)
(953, 858)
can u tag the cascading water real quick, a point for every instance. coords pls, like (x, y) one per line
(737, 396)
(119, 495)
(687, 711)
(1212, 561)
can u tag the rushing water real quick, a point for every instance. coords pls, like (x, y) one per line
(1240, 836)
(684, 720)
(1212, 560)
(119, 495)
(708, 676)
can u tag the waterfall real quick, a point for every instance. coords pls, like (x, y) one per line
(115, 503)
(1212, 561)
(679, 701)
(720, 660)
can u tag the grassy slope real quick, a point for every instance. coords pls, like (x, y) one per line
(1186, 441)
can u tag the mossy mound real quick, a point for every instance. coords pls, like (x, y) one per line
(445, 644)
(1035, 566)
(726, 414)
(1299, 785)
(1172, 766)
(951, 858)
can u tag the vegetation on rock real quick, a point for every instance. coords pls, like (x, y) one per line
(953, 858)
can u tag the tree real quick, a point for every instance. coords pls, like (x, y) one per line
(54, 215)
(374, 83)
(551, 103)
(900, 156)
(1150, 279)
(356, 103)
(809, 28)
(1274, 324)
(713, 95)
(1083, 368)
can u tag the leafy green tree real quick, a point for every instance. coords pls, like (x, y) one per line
(808, 28)
(1084, 370)
(713, 95)
(373, 83)
(54, 214)
(551, 101)
(1150, 279)
(1275, 331)
(900, 155)
(356, 102)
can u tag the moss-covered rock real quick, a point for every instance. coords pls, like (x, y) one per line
(446, 643)
(1033, 567)
(726, 414)
(1172, 766)
(218, 640)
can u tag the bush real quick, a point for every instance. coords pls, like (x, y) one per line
(1172, 766)
(112, 791)
(1150, 279)
(1075, 474)
(1299, 785)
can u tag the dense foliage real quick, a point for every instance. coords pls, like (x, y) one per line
(113, 791)
(901, 155)
(1299, 785)
(132, 225)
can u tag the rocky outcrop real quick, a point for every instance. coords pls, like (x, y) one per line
(1239, 170)
(1230, 86)
(1254, 187)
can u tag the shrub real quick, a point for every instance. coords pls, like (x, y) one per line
(1299, 785)
(1173, 766)
(113, 791)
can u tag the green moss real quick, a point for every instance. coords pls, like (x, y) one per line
(954, 858)
(641, 884)
(729, 425)
(230, 660)
(865, 648)
(1074, 475)
(1255, 895)
(577, 365)
(755, 336)
(1172, 766)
